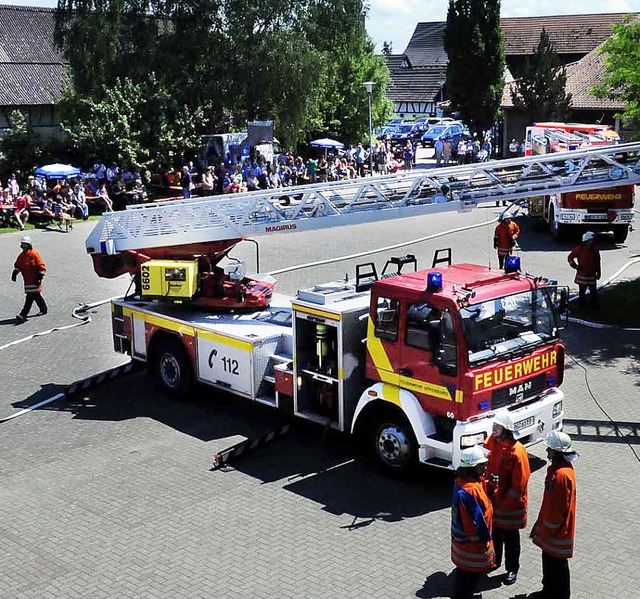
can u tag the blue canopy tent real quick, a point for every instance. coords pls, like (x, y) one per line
(58, 171)
(326, 143)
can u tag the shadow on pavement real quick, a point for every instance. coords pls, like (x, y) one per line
(436, 585)
(603, 431)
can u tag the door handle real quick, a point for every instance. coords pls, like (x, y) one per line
(406, 372)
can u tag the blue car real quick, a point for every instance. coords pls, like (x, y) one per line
(454, 131)
(407, 131)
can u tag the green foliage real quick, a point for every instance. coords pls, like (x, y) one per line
(541, 91)
(621, 80)
(475, 48)
(132, 124)
(19, 145)
(222, 62)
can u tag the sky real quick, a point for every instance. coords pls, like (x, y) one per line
(395, 20)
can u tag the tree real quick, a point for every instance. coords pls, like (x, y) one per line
(134, 123)
(541, 91)
(475, 73)
(621, 79)
(20, 145)
(337, 29)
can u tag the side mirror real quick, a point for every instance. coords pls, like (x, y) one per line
(560, 303)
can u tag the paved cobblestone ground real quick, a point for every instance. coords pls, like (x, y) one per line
(110, 494)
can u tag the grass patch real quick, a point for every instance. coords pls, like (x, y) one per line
(619, 305)
(30, 226)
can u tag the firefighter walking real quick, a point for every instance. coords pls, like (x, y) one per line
(504, 238)
(508, 473)
(554, 530)
(585, 258)
(471, 520)
(32, 268)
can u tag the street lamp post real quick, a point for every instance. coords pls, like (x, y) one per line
(369, 87)
(441, 83)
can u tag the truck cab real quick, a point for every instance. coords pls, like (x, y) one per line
(449, 346)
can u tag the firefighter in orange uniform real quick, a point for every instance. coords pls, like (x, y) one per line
(504, 238)
(32, 268)
(586, 260)
(508, 474)
(471, 521)
(554, 531)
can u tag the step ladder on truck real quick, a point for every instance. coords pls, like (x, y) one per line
(597, 209)
(414, 365)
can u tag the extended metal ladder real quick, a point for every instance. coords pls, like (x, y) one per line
(362, 200)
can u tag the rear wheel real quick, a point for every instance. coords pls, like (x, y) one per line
(173, 368)
(620, 233)
(393, 444)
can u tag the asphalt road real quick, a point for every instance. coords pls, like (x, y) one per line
(110, 494)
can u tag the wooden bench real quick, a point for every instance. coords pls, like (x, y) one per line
(46, 218)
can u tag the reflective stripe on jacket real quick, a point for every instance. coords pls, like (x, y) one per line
(471, 521)
(554, 531)
(509, 461)
(32, 268)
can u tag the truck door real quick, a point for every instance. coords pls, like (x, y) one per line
(383, 339)
(429, 356)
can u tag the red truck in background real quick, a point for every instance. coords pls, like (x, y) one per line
(597, 210)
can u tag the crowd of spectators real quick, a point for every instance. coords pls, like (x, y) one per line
(107, 187)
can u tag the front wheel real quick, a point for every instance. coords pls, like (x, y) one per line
(173, 368)
(394, 445)
(620, 233)
(558, 231)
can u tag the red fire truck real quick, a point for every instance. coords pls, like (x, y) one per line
(608, 209)
(414, 365)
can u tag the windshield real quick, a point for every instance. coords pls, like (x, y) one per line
(508, 325)
(404, 128)
(436, 129)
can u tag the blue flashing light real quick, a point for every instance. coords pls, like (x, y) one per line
(551, 381)
(434, 282)
(483, 405)
(512, 264)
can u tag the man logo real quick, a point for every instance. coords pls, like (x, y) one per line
(517, 391)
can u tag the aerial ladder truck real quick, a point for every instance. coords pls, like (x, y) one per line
(596, 209)
(414, 365)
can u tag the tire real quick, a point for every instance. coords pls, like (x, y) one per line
(558, 231)
(173, 369)
(620, 233)
(393, 445)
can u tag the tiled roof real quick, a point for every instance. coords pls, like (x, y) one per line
(31, 84)
(570, 34)
(581, 77)
(411, 85)
(32, 69)
(426, 47)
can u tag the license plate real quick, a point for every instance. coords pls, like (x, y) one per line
(524, 423)
(595, 217)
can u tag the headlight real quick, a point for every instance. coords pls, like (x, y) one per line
(471, 440)
(557, 409)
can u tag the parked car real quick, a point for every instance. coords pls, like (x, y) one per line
(407, 131)
(454, 130)
(385, 131)
(394, 123)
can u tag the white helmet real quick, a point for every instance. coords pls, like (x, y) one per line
(588, 236)
(559, 441)
(504, 419)
(26, 239)
(473, 456)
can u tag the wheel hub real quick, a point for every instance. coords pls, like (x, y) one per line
(393, 444)
(170, 371)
